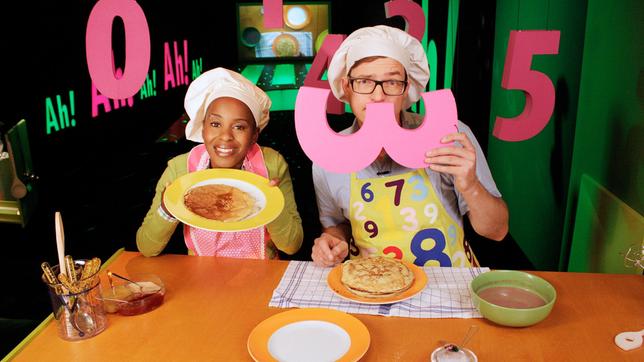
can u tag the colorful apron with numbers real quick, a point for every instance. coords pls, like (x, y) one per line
(249, 244)
(402, 216)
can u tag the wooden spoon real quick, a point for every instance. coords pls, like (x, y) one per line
(60, 243)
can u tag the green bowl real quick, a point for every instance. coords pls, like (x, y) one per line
(250, 37)
(513, 317)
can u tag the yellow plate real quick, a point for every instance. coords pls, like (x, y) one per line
(334, 280)
(299, 334)
(269, 198)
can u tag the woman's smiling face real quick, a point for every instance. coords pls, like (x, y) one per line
(229, 131)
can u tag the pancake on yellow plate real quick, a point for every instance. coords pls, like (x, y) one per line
(219, 202)
(376, 277)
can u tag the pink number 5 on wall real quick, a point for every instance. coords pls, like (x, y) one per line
(538, 88)
(98, 47)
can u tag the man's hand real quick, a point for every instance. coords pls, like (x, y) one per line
(454, 160)
(329, 250)
(488, 214)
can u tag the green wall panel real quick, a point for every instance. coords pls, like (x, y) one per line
(605, 228)
(533, 175)
(609, 138)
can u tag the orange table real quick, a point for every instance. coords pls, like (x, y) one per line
(212, 304)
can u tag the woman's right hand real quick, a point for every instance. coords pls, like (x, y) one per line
(165, 209)
(329, 250)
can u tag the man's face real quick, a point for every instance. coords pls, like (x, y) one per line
(228, 132)
(379, 69)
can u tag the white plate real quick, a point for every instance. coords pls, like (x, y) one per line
(309, 341)
(309, 334)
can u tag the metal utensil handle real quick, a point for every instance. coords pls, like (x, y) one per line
(470, 333)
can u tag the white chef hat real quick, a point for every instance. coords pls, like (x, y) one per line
(381, 40)
(217, 83)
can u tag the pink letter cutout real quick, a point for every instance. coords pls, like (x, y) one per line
(411, 12)
(98, 47)
(538, 88)
(273, 14)
(320, 63)
(348, 153)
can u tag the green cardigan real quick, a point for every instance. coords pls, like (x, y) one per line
(285, 231)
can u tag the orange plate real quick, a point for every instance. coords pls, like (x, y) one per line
(334, 280)
(291, 10)
(258, 340)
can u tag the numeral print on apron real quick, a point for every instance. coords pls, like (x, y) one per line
(401, 216)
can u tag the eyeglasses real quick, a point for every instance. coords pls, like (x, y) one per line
(390, 87)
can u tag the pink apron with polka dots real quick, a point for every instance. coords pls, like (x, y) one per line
(249, 244)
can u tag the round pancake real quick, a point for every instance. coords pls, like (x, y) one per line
(219, 202)
(374, 295)
(376, 277)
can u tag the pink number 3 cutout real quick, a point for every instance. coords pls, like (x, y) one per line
(411, 12)
(538, 88)
(348, 153)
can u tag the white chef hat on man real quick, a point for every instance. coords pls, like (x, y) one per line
(217, 83)
(381, 40)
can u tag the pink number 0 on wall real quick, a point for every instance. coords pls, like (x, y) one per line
(98, 47)
(538, 88)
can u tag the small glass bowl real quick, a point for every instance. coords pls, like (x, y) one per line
(146, 293)
(450, 352)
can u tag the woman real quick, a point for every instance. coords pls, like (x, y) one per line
(227, 113)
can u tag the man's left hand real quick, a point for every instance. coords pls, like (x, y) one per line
(456, 160)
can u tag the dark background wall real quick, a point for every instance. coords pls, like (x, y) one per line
(100, 174)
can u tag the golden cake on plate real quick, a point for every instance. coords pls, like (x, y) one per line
(219, 202)
(286, 45)
(376, 277)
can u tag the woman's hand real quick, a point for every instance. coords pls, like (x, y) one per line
(454, 160)
(274, 181)
(329, 250)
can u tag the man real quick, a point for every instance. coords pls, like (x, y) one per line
(386, 208)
